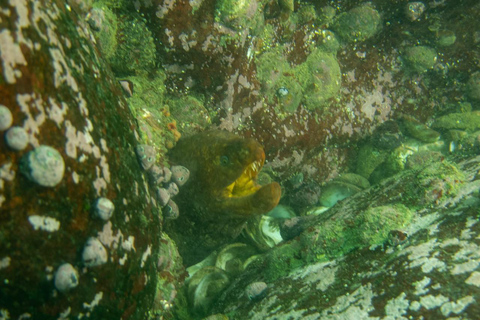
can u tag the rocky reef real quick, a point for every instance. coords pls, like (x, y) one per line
(368, 117)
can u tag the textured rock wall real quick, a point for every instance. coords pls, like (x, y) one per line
(61, 93)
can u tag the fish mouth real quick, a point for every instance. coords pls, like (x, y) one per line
(246, 183)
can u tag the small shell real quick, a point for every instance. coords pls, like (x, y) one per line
(104, 208)
(6, 118)
(94, 253)
(170, 211)
(172, 189)
(127, 87)
(66, 278)
(256, 290)
(163, 196)
(156, 174)
(167, 174)
(145, 155)
(180, 175)
(44, 165)
(16, 138)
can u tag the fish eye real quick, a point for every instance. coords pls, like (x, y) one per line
(224, 160)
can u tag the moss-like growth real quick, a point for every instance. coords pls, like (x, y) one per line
(420, 58)
(434, 182)
(105, 26)
(238, 14)
(154, 119)
(270, 66)
(468, 121)
(368, 159)
(288, 93)
(320, 78)
(370, 227)
(473, 86)
(358, 24)
(282, 260)
(190, 113)
(136, 52)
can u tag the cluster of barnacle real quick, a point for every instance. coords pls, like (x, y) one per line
(167, 181)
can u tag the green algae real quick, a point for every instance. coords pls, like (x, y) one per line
(135, 53)
(283, 259)
(147, 106)
(368, 159)
(420, 58)
(238, 14)
(105, 25)
(320, 78)
(337, 237)
(358, 24)
(190, 112)
(468, 121)
(435, 180)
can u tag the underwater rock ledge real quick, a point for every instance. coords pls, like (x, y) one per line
(429, 268)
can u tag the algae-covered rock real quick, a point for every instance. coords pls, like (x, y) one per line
(238, 14)
(358, 24)
(468, 121)
(288, 93)
(473, 86)
(419, 130)
(320, 78)
(420, 58)
(190, 113)
(368, 159)
(401, 256)
(135, 53)
(63, 94)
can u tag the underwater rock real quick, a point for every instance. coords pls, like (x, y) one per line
(320, 78)
(44, 165)
(6, 118)
(66, 278)
(445, 38)
(358, 24)
(145, 155)
(104, 208)
(387, 136)
(368, 159)
(16, 138)
(420, 58)
(423, 251)
(57, 86)
(239, 14)
(135, 51)
(473, 86)
(468, 121)
(418, 130)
